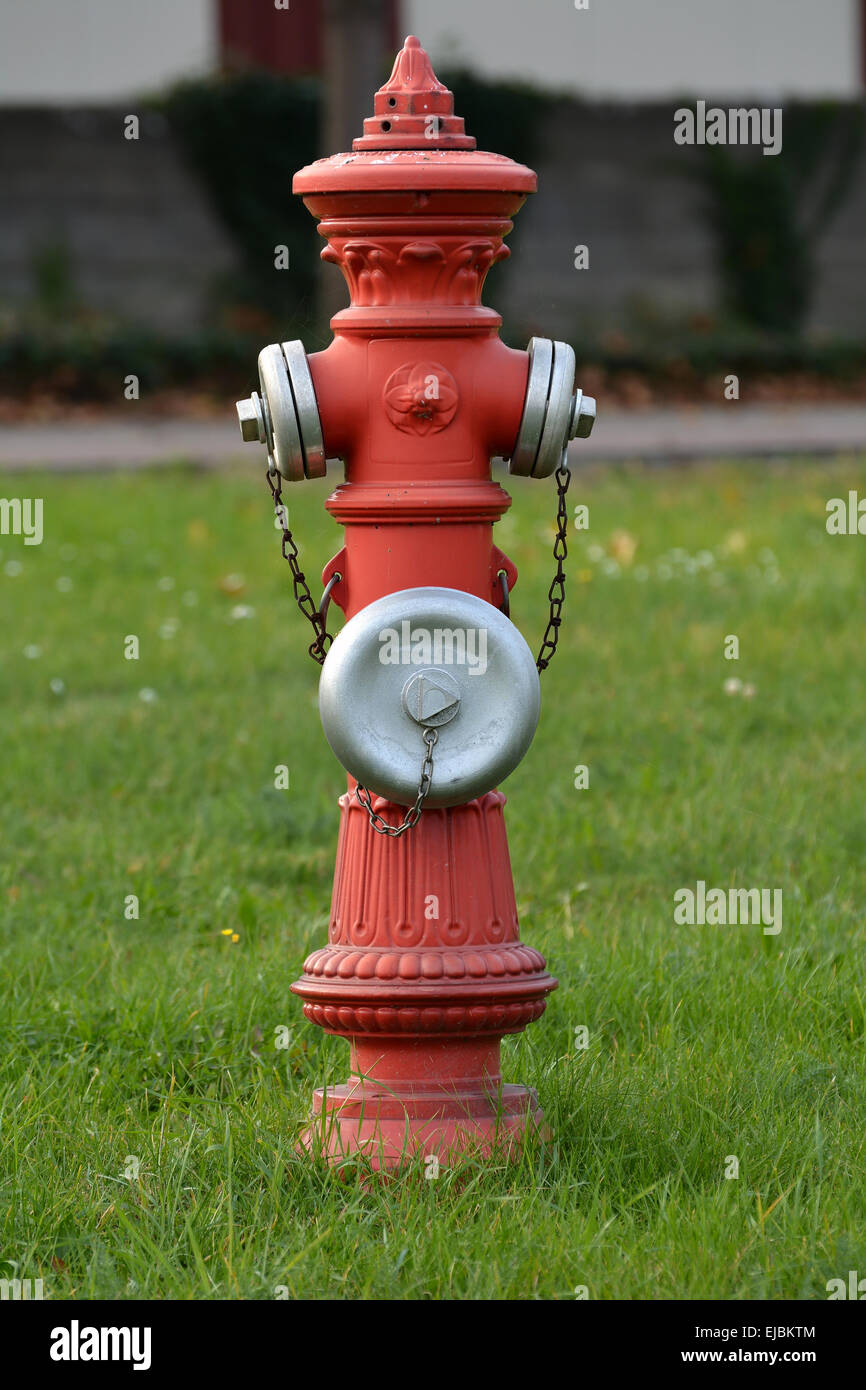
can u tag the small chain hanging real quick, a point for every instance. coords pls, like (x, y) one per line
(413, 815)
(556, 592)
(318, 649)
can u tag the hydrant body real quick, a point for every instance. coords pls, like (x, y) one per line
(424, 970)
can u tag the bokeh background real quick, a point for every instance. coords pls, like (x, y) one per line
(159, 890)
(157, 255)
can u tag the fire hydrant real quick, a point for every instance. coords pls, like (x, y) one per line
(429, 695)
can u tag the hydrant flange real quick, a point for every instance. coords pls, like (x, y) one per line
(286, 415)
(553, 412)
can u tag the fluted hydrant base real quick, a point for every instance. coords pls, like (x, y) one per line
(423, 974)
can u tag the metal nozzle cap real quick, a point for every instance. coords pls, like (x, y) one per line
(251, 419)
(583, 417)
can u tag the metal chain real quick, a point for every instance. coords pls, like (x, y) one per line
(413, 815)
(318, 649)
(556, 592)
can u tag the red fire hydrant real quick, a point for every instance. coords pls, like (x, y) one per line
(429, 694)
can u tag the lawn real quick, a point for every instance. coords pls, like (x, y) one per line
(148, 1117)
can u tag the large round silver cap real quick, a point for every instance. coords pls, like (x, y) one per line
(437, 658)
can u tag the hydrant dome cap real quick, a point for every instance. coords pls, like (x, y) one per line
(414, 141)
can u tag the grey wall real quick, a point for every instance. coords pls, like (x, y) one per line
(613, 179)
(609, 180)
(146, 246)
(143, 242)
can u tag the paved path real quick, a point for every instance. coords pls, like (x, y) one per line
(691, 432)
(660, 435)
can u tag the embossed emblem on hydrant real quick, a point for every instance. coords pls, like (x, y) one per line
(422, 397)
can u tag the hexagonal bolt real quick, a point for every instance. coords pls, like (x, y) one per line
(583, 416)
(251, 419)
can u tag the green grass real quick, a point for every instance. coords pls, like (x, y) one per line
(155, 1037)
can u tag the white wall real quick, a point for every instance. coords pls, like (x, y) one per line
(651, 48)
(57, 51)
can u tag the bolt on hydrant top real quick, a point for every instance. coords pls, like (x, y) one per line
(414, 140)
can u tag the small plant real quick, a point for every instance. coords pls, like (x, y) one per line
(767, 215)
(53, 280)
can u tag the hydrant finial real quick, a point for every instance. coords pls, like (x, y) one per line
(413, 69)
(414, 110)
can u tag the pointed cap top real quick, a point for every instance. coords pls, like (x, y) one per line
(414, 110)
(413, 70)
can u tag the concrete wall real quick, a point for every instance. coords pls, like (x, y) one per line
(613, 179)
(143, 242)
(146, 246)
(609, 181)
